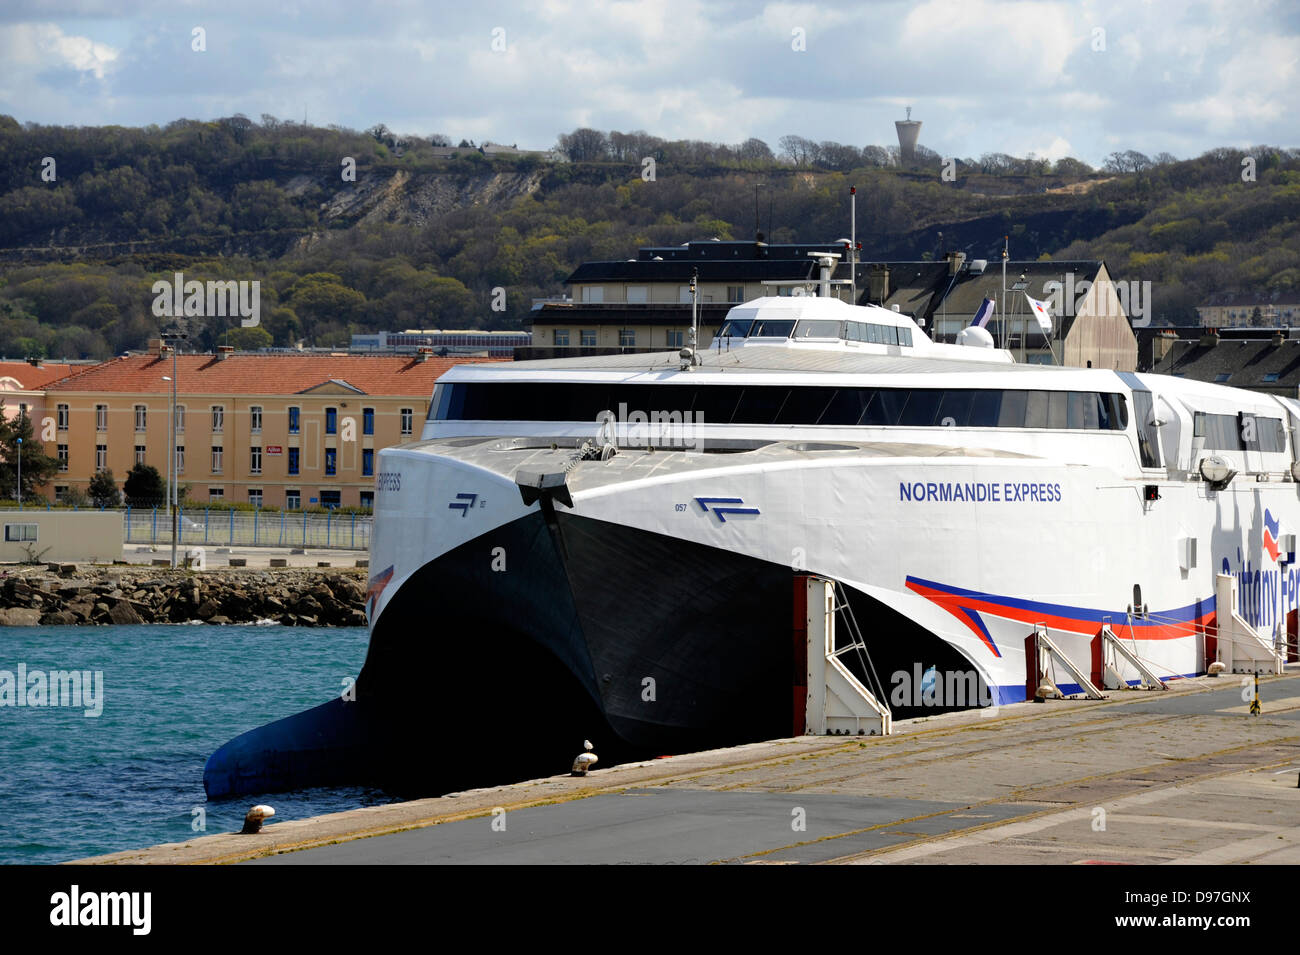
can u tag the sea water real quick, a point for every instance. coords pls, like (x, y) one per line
(74, 784)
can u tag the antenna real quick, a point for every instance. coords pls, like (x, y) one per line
(853, 245)
(695, 277)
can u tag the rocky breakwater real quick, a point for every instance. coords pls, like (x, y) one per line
(97, 595)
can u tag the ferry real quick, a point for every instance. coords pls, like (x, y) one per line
(611, 548)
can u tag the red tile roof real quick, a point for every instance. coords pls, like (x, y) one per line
(264, 374)
(33, 378)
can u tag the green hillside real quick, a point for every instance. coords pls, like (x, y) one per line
(421, 240)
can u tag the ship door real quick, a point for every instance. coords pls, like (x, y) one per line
(1148, 430)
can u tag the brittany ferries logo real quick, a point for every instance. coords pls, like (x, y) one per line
(1271, 535)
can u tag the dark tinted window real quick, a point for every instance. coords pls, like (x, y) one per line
(772, 329)
(1241, 432)
(771, 404)
(1148, 439)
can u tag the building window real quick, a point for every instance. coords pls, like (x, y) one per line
(255, 460)
(636, 295)
(101, 457)
(255, 496)
(293, 460)
(593, 293)
(675, 339)
(141, 415)
(255, 419)
(561, 337)
(293, 420)
(331, 461)
(60, 493)
(63, 417)
(216, 494)
(367, 462)
(180, 459)
(218, 419)
(627, 338)
(101, 417)
(63, 457)
(20, 532)
(368, 500)
(735, 293)
(331, 498)
(408, 420)
(587, 338)
(292, 500)
(216, 460)
(139, 454)
(180, 419)
(331, 420)
(367, 420)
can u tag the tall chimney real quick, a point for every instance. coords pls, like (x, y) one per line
(879, 283)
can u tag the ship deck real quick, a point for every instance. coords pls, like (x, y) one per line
(1185, 776)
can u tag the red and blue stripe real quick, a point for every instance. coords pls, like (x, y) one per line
(969, 606)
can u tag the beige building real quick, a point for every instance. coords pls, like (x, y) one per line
(1250, 309)
(268, 430)
(35, 534)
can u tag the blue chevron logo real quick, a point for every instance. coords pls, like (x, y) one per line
(464, 502)
(722, 506)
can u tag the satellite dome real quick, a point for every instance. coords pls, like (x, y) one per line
(975, 336)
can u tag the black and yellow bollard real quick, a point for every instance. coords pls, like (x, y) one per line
(1254, 704)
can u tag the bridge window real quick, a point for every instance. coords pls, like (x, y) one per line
(771, 404)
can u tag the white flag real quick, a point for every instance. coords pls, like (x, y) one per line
(1042, 313)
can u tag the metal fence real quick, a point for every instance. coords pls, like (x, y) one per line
(153, 525)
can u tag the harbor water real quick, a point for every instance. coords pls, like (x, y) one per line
(76, 782)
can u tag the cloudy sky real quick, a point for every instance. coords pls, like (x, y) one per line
(1055, 79)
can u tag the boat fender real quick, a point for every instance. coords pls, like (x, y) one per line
(584, 761)
(253, 821)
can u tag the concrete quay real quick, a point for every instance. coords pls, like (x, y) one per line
(1183, 776)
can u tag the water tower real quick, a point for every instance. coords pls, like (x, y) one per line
(908, 132)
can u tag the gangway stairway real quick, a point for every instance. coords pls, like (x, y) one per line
(1234, 642)
(834, 700)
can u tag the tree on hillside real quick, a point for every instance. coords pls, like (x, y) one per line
(798, 150)
(1069, 166)
(37, 467)
(103, 490)
(755, 150)
(584, 145)
(145, 487)
(249, 339)
(322, 297)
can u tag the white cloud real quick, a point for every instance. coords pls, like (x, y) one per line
(43, 46)
(1029, 40)
(1256, 86)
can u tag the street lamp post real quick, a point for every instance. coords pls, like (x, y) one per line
(171, 456)
(174, 338)
(20, 469)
